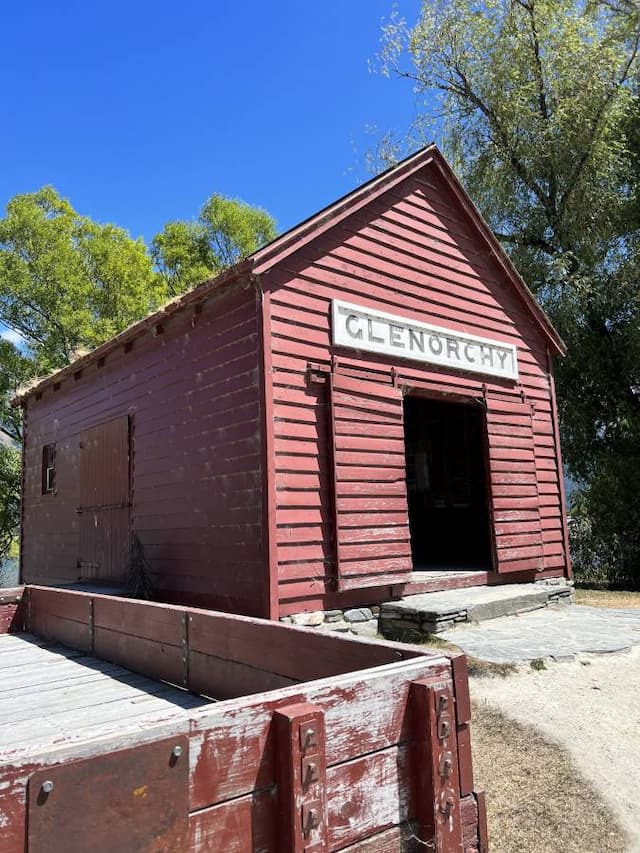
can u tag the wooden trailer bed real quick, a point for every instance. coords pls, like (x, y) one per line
(130, 726)
(52, 695)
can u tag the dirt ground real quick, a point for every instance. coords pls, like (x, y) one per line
(591, 708)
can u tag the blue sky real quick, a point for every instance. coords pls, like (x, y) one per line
(137, 111)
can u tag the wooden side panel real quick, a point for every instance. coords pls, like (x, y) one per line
(412, 252)
(231, 657)
(191, 389)
(514, 485)
(369, 480)
(12, 611)
(133, 799)
(233, 743)
(65, 617)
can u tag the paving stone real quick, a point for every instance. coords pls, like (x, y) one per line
(558, 633)
(358, 614)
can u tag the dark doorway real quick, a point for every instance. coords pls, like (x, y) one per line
(447, 485)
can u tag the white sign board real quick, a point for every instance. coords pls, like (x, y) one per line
(387, 334)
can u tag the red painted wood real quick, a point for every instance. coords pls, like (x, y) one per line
(414, 252)
(301, 778)
(237, 826)
(483, 831)
(355, 402)
(12, 610)
(226, 768)
(193, 395)
(436, 778)
(269, 503)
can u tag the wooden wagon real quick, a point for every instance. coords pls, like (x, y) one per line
(130, 726)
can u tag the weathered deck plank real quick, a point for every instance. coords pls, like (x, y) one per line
(72, 696)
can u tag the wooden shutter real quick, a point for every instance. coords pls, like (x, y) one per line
(370, 490)
(104, 500)
(514, 485)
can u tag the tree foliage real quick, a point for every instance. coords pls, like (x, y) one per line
(538, 110)
(226, 231)
(66, 282)
(9, 497)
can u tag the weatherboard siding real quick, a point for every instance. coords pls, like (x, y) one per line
(192, 392)
(411, 252)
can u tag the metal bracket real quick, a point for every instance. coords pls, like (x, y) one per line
(301, 778)
(437, 778)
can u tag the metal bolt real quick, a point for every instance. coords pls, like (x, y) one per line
(176, 752)
(312, 821)
(47, 787)
(447, 807)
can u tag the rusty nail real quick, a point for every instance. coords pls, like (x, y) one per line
(47, 786)
(176, 752)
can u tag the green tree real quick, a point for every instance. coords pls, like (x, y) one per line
(66, 282)
(227, 230)
(9, 497)
(537, 106)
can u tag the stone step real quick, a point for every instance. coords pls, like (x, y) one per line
(436, 612)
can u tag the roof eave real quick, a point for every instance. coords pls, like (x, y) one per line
(191, 297)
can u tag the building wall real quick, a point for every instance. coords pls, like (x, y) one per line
(193, 395)
(413, 252)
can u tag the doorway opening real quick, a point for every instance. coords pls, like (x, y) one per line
(447, 490)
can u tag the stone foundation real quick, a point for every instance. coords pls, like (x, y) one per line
(362, 621)
(411, 619)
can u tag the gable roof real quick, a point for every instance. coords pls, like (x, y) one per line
(284, 245)
(309, 229)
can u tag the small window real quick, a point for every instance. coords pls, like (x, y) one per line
(48, 468)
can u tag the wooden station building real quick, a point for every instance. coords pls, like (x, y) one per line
(362, 409)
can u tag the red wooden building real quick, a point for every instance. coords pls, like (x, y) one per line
(367, 399)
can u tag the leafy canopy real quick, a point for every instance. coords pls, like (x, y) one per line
(67, 282)
(537, 107)
(226, 231)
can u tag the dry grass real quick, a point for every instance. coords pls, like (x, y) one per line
(618, 599)
(477, 667)
(536, 800)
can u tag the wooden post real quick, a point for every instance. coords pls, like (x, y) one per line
(301, 772)
(463, 721)
(436, 776)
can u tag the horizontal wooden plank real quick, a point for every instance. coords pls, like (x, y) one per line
(233, 751)
(157, 622)
(154, 658)
(294, 653)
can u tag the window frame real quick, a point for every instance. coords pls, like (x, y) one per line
(48, 482)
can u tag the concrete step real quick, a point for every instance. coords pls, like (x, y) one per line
(436, 612)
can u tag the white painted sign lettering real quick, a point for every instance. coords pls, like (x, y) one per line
(387, 334)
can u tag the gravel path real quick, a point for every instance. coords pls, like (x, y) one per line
(591, 707)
